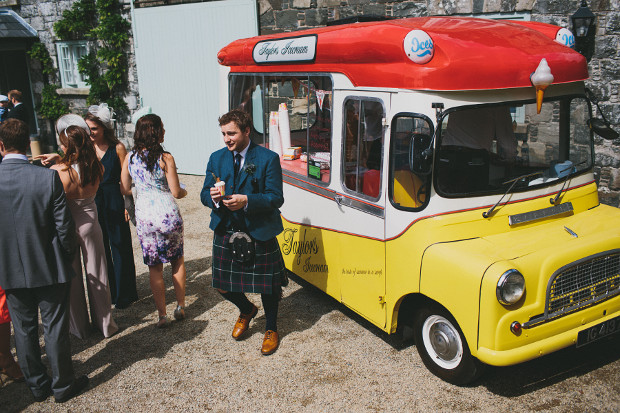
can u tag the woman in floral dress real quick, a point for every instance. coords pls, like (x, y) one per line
(158, 220)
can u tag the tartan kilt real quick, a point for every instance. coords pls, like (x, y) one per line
(262, 275)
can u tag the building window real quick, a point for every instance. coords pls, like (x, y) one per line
(69, 53)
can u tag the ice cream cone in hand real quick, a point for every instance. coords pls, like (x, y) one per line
(221, 185)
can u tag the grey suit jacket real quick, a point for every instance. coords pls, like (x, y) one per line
(37, 232)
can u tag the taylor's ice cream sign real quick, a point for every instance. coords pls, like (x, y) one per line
(419, 46)
(290, 49)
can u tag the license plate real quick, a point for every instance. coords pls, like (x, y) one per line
(598, 331)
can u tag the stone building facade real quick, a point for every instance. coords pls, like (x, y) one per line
(290, 15)
(41, 16)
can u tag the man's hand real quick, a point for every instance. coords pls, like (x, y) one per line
(236, 201)
(216, 196)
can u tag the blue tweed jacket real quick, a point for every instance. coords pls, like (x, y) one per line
(260, 179)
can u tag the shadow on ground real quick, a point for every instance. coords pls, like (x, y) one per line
(540, 373)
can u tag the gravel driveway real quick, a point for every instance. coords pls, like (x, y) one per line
(330, 359)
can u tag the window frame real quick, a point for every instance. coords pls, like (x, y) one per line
(360, 98)
(70, 63)
(566, 145)
(428, 178)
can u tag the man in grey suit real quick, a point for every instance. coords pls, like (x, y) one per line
(37, 243)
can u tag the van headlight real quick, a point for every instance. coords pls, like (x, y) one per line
(510, 287)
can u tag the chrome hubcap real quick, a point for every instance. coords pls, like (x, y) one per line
(442, 342)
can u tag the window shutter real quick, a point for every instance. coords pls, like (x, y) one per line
(64, 61)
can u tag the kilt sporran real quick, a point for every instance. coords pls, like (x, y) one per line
(242, 246)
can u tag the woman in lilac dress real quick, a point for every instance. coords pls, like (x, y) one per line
(158, 220)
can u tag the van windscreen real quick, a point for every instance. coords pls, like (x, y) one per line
(483, 148)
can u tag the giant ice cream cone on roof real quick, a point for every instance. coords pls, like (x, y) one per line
(541, 79)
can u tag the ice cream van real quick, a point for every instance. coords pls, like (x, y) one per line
(438, 179)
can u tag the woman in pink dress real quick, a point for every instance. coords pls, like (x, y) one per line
(81, 171)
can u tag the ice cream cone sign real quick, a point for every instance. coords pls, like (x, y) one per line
(541, 79)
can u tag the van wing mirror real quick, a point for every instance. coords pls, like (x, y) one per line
(420, 154)
(602, 129)
(600, 126)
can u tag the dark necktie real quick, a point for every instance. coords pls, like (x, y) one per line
(237, 163)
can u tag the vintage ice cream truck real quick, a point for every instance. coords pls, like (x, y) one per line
(438, 177)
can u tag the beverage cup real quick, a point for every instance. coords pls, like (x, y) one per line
(221, 185)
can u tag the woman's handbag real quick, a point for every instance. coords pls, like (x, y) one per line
(242, 246)
(130, 207)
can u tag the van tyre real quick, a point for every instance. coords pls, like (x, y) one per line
(443, 347)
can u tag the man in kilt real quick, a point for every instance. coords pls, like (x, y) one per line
(252, 179)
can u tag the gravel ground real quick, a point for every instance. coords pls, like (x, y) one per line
(330, 359)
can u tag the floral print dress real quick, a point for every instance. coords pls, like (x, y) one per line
(158, 220)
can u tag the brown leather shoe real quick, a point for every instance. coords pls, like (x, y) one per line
(270, 343)
(243, 322)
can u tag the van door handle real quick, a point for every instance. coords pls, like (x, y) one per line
(338, 199)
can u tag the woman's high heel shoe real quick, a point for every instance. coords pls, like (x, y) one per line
(163, 321)
(179, 313)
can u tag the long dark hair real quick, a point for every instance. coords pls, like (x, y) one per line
(79, 149)
(147, 140)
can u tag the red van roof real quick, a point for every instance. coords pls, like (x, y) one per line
(470, 54)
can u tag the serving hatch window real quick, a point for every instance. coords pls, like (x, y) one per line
(484, 148)
(292, 116)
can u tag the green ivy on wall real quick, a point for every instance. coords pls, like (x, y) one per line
(52, 107)
(77, 22)
(106, 66)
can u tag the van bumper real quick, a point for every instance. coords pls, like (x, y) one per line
(554, 342)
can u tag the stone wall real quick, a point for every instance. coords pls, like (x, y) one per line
(42, 15)
(290, 15)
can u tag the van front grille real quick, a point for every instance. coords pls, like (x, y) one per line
(581, 284)
(587, 283)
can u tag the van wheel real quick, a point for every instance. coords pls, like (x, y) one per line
(443, 348)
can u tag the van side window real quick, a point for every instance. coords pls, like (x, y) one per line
(246, 94)
(363, 146)
(409, 187)
(291, 115)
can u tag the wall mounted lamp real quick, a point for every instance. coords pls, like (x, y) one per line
(584, 29)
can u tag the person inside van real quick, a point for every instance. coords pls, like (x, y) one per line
(477, 128)
(474, 138)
